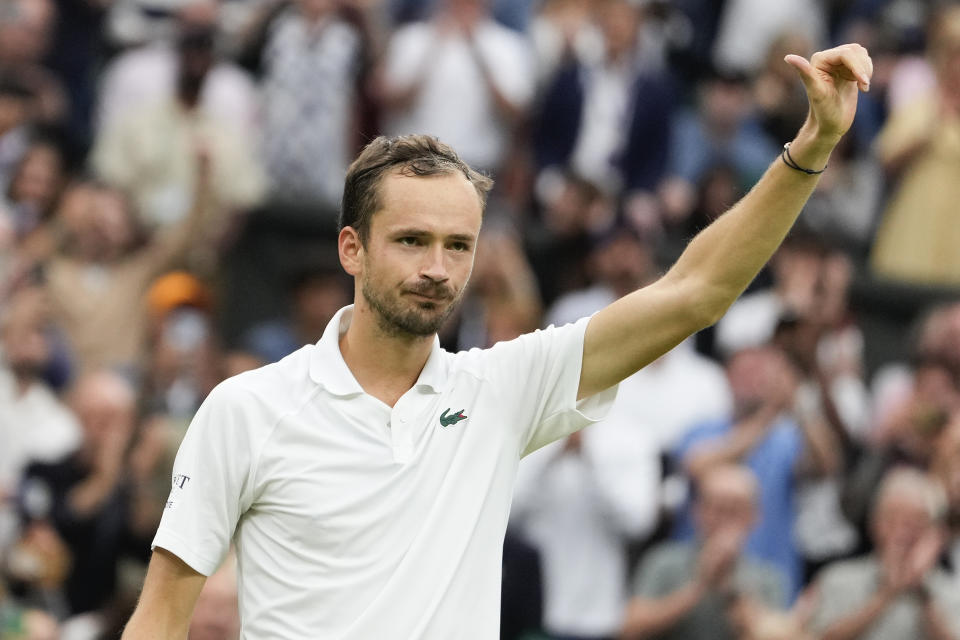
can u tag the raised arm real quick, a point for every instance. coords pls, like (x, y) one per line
(722, 260)
(169, 594)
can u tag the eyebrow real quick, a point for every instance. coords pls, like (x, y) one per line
(420, 233)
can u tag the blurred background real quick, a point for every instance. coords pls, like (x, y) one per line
(170, 173)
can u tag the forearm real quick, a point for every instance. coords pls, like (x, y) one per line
(648, 616)
(171, 245)
(821, 448)
(855, 624)
(170, 593)
(508, 110)
(725, 257)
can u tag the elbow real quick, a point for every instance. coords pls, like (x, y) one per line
(705, 301)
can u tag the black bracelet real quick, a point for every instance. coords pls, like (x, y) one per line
(788, 160)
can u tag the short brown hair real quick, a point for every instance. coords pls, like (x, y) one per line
(412, 155)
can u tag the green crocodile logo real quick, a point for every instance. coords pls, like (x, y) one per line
(446, 421)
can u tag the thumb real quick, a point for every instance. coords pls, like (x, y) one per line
(803, 67)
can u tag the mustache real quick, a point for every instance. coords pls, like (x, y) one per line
(431, 290)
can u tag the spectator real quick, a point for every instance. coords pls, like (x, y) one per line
(654, 399)
(561, 30)
(796, 268)
(748, 28)
(26, 27)
(722, 130)
(88, 499)
(318, 293)
(691, 591)
(919, 146)
(461, 77)
(580, 502)
(34, 424)
(150, 151)
(184, 359)
(897, 592)
(98, 281)
(312, 59)
(607, 117)
(907, 433)
(779, 444)
(144, 76)
(503, 301)
(35, 187)
(559, 242)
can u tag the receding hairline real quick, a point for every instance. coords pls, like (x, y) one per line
(404, 171)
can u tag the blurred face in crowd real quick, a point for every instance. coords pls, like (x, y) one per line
(419, 253)
(39, 176)
(467, 11)
(25, 28)
(725, 103)
(755, 375)
(105, 405)
(319, 298)
(619, 21)
(314, 10)
(23, 331)
(726, 502)
(902, 516)
(97, 220)
(625, 263)
(197, 24)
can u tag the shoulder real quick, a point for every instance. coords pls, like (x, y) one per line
(523, 349)
(268, 392)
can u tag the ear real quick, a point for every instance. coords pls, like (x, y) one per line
(351, 250)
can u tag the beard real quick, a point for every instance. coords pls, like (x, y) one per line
(420, 319)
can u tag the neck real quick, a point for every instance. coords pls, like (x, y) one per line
(385, 365)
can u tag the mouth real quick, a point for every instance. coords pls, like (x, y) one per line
(435, 299)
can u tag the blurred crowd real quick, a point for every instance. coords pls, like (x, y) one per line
(170, 174)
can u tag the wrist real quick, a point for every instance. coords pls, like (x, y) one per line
(812, 146)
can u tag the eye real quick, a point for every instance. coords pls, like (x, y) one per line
(460, 246)
(408, 241)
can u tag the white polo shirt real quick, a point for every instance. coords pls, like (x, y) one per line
(355, 520)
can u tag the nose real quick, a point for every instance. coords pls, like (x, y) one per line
(434, 266)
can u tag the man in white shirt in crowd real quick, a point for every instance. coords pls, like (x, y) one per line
(367, 480)
(461, 77)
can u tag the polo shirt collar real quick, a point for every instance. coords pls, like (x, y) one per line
(329, 370)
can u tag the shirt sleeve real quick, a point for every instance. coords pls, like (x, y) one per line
(539, 374)
(211, 483)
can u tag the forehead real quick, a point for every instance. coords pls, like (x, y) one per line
(442, 203)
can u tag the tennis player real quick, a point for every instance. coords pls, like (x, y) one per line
(366, 480)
